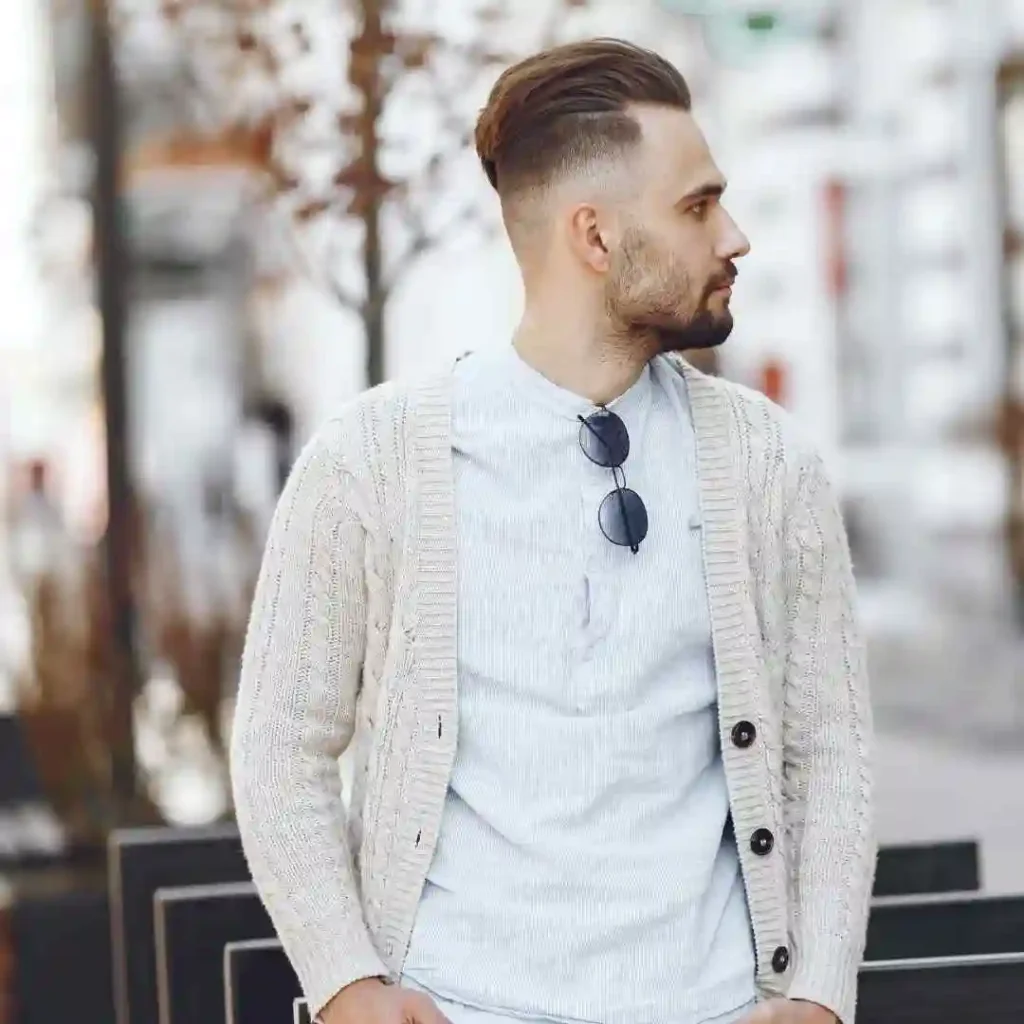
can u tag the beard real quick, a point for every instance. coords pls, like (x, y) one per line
(651, 298)
(702, 330)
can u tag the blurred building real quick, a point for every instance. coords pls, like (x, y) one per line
(865, 152)
(873, 149)
(861, 138)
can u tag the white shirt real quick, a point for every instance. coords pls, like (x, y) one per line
(584, 871)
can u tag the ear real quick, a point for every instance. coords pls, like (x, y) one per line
(589, 237)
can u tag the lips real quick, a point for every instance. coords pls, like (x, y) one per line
(722, 283)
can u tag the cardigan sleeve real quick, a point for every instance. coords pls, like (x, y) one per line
(827, 750)
(295, 716)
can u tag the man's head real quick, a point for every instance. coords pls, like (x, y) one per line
(609, 192)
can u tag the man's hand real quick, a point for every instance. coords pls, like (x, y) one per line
(790, 1011)
(373, 1002)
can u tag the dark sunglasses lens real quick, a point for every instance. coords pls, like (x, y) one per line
(623, 517)
(604, 439)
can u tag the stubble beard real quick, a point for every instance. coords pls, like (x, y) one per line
(704, 331)
(643, 307)
(655, 328)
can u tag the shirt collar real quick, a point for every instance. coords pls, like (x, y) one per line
(534, 385)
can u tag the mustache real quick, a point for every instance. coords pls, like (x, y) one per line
(724, 279)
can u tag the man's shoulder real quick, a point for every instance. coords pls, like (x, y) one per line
(763, 427)
(383, 401)
(369, 430)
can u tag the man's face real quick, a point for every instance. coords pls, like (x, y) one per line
(673, 261)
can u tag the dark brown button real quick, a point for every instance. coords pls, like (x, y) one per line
(780, 960)
(762, 842)
(743, 734)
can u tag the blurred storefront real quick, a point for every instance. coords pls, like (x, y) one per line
(873, 154)
(208, 434)
(862, 142)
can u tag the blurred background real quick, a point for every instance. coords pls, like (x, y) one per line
(220, 219)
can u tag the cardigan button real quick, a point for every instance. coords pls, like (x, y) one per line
(780, 960)
(762, 842)
(743, 734)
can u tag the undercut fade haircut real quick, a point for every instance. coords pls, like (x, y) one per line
(560, 110)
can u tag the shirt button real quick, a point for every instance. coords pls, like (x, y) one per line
(762, 842)
(743, 734)
(780, 960)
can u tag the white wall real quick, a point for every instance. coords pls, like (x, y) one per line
(23, 113)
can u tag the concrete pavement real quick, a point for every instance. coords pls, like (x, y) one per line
(946, 657)
(946, 646)
(929, 790)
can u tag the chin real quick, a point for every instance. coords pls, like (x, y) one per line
(698, 335)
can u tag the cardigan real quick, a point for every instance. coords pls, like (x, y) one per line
(351, 647)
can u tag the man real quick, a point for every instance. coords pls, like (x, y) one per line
(584, 617)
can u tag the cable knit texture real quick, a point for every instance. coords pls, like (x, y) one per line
(352, 642)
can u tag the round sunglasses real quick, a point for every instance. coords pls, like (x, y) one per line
(622, 514)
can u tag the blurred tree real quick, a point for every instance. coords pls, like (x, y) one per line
(65, 702)
(364, 110)
(1010, 416)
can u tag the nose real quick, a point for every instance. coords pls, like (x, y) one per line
(733, 244)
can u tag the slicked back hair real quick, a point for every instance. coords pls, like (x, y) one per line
(558, 111)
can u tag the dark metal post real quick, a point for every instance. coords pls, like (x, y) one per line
(112, 273)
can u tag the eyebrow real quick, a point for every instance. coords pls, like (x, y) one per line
(711, 190)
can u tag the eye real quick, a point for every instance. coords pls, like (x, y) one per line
(700, 210)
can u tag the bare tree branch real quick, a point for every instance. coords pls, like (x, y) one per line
(252, 50)
(424, 241)
(328, 279)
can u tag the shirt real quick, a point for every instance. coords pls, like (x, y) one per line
(583, 871)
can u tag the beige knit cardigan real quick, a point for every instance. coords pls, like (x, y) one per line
(351, 644)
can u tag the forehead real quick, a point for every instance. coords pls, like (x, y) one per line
(674, 150)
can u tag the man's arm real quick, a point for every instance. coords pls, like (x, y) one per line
(294, 718)
(828, 739)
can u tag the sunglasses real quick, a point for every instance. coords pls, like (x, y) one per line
(622, 514)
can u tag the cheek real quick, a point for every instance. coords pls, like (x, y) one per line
(691, 252)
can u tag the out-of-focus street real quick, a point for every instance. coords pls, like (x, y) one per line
(219, 222)
(929, 790)
(947, 653)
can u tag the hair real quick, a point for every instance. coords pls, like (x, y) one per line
(559, 110)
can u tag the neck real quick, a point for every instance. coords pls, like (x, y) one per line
(580, 355)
